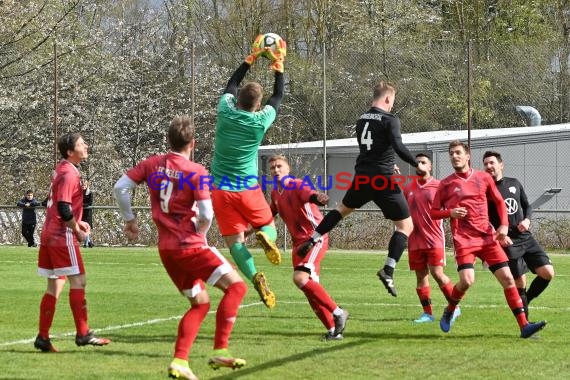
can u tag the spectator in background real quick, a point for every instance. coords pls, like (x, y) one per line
(87, 211)
(29, 220)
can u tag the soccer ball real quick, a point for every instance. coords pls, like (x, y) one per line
(271, 41)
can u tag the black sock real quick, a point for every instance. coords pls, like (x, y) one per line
(330, 220)
(536, 287)
(522, 293)
(397, 244)
(388, 270)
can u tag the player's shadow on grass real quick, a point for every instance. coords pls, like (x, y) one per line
(250, 370)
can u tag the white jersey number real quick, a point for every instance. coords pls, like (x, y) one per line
(366, 137)
(165, 194)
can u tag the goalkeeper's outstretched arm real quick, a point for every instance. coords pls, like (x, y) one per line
(236, 78)
(275, 99)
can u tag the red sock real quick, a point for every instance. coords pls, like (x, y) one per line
(515, 303)
(322, 313)
(425, 300)
(79, 310)
(447, 289)
(315, 291)
(227, 313)
(455, 298)
(47, 311)
(188, 328)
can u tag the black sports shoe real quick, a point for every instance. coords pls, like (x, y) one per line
(91, 339)
(330, 336)
(44, 345)
(305, 248)
(388, 282)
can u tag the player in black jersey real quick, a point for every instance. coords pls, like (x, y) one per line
(524, 252)
(379, 138)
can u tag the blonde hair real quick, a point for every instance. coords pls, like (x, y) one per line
(382, 89)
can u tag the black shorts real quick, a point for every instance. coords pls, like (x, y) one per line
(525, 255)
(387, 196)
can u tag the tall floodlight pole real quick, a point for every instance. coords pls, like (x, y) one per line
(469, 97)
(55, 132)
(324, 116)
(193, 90)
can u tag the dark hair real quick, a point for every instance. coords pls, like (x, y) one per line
(249, 95)
(492, 153)
(29, 192)
(180, 132)
(382, 88)
(67, 142)
(455, 143)
(423, 155)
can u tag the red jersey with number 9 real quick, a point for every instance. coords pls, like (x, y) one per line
(175, 184)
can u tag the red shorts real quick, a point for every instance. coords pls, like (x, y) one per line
(57, 261)
(313, 259)
(235, 211)
(189, 268)
(419, 259)
(491, 254)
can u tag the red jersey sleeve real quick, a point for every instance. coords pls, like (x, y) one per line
(305, 192)
(495, 196)
(66, 187)
(138, 174)
(437, 208)
(202, 190)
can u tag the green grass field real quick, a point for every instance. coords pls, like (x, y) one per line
(132, 301)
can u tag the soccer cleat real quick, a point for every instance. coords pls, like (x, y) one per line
(178, 371)
(271, 250)
(340, 322)
(330, 336)
(446, 320)
(222, 358)
(388, 282)
(425, 318)
(305, 248)
(44, 345)
(456, 313)
(266, 295)
(91, 339)
(531, 328)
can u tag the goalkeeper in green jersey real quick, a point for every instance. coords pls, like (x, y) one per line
(238, 201)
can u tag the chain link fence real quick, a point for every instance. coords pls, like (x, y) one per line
(364, 229)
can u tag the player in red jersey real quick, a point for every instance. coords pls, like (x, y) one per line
(298, 207)
(182, 211)
(426, 244)
(463, 197)
(59, 256)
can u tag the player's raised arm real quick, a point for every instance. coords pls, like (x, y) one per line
(277, 64)
(239, 74)
(398, 145)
